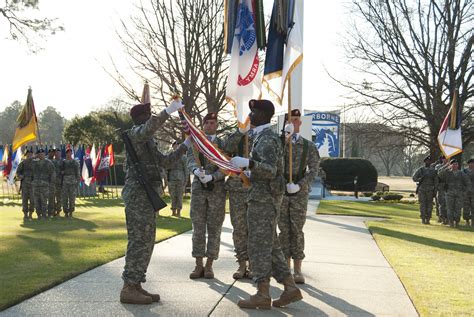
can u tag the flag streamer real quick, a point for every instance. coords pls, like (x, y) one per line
(206, 147)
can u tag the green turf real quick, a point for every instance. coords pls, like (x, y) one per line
(36, 255)
(435, 263)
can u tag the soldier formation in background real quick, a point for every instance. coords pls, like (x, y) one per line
(451, 187)
(177, 176)
(468, 210)
(46, 182)
(427, 179)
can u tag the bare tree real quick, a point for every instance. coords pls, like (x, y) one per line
(22, 27)
(412, 158)
(413, 54)
(177, 46)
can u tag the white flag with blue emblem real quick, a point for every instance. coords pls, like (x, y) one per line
(16, 159)
(244, 80)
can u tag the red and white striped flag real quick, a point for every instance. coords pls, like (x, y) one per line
(205, 146)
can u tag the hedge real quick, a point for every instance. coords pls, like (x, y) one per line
(340, 174)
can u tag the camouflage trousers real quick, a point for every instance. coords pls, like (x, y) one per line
(68, 197)
(141, 231)
(207, 215)
(441, 204)
(425, 199)
(176, 190)
(58, 192)
(41, 192)
(27, 197)
(51, 199)
(265, 255)
(454, 202)
(291, 222)
(468, 209)
(238, 218)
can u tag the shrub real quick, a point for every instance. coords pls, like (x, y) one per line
(392, 196)
(376, 197)
(367, 194)
(340, 174)
(380, 193)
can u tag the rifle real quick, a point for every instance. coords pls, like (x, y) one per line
(153, 197)
(283, 133)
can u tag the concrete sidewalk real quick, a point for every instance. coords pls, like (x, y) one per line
(346, 274)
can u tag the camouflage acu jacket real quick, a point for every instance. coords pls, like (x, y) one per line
(266, 178)
(308, 169)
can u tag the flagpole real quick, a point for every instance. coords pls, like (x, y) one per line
(246, 144)
(290, 144)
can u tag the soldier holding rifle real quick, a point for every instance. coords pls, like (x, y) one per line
(140, 195)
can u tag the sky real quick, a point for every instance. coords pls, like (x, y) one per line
(69, 75)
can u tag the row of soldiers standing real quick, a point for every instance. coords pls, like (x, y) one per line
(48, 183)
(451, 187)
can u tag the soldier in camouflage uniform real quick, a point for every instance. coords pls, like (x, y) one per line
(234, 146)
(295, 202)
(52, 185)
(468, 210)
(457, 183)
(264, 201)
(69, 169)
(43, 175)
(139, 213)
(441, 194)
(25, 173)
(427, 179)
(207, 203)
(58, 186)
(177, 176)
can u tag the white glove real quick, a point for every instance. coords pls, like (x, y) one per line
(247, 173)
(188, 142)
(174, 106)
(289, 129)
(244, 129)
(198, 172)
(292, 188)
(205, 179)
(239, 162)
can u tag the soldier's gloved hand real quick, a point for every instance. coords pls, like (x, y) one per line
(244, 129)
(289, 129)
(205, 179)
(174, 106)
(198, 172)
(239, 162)
(188, 142)
(247, 173)
(292, 188)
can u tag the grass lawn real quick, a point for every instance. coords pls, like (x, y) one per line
(435, 263)
(36, 255)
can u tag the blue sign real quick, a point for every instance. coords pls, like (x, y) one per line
(325, 128)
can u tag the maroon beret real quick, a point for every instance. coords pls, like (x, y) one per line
(210, 116)
(139, 109)
(294, 113)
(264, 105)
